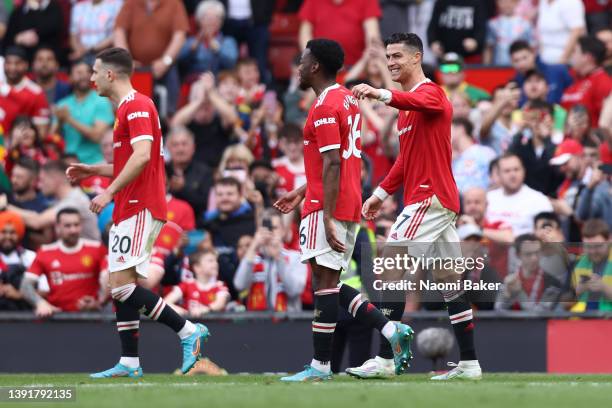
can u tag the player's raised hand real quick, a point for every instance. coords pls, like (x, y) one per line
(371, 208)
(289, 201)
(100, 201)
(79, 171)
(362, 91)
(332, 238)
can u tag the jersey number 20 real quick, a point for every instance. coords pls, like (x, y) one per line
(354, 134)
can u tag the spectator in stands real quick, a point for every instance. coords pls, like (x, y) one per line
(593, 84)
(75, 269)
(530, 288)
(453, 78)
(474, 211)
(290, 167)
(27, 97)
(84, 117)
(597, 13)
(91, 28)
(296, 101)
(4, 16)
(535, 88)
(14, 261)
(180, 212)
(568, 156)
(26, 141)
(533, 145)
(514, 202)
(210, 118)
(554, 258)
(352, 23)
(273, 276)
(605, 36)
(205, 293)
(35, 23)
(596, 199)
(578, 126)
(154, 32)
(24, 181)
(54, 184)
(592, 276)
(498, 126)
(188, 179)
(45, 68)
(560, 24)
(209, 49)
(524, 59)
(372, 66)
(248, 22)
(251, 89)
(470, 160)
(502, 30)
(458, 26)
(462, 105)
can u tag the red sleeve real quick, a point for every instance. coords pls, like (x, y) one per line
(40, 112)
(371, 8)
(38, 266)
(394, 178)
(601, 92)
(326, 128)
(307, 11)
(423, 99)
(139, 116)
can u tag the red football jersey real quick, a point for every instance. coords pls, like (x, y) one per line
(334, 122)
(424, 162)
(180, 212)
(196, 294)
(30, 100)
(72, 272)
(589, 91)
(137, 120)
(291, 176)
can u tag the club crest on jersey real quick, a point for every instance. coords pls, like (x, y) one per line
(87, 261)
(135, 115)
(324, 121)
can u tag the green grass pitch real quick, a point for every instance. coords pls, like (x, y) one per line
(259, 391)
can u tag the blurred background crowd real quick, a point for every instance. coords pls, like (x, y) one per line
(532, 145)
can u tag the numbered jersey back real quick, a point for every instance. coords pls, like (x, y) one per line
(334, 124)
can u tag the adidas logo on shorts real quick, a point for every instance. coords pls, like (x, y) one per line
(121, 259)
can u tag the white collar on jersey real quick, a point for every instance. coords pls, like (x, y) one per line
(71, 250)
(426, 80)
(125, 98)
(324, 93)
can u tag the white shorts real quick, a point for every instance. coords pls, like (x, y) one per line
(313, 241)
(131, 243)
(424, 223)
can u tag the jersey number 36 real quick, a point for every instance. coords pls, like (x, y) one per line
(354, 134)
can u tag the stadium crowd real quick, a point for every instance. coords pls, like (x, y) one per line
(532, 158)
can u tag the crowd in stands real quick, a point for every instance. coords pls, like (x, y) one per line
(532, 157)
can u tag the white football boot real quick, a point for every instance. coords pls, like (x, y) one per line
(465, 370)
(377, 367)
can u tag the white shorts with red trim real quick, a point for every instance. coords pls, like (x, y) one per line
(313, 241)
(424, 222)
(131, 243)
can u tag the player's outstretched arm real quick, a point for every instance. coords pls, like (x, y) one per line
(291, 200)
(331, 187)
(133, 167)
(418, 100)
(79, 171)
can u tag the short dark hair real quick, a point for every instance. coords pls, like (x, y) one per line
(66, 210)
(27, 163)
(408, 39)
(466, 124)
(589, 44)
(518, 242)
(508, 155)
(46, 48)
(229, 181)
(547, 216)
(55, 166)
(539, 104)
(198, 255)
(119, 58)
(519, 45)
(80, 62)
(594, 227)
(328, 53)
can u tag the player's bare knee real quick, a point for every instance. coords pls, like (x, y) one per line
(122, 278)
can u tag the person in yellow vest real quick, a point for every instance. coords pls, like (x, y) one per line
(592, 276)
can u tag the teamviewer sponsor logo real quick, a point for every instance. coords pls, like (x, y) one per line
(135, 115)
(324, 121)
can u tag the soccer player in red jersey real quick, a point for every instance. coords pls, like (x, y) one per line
(73, 266)
(139, 191)
(331, 212)
(423, 168)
